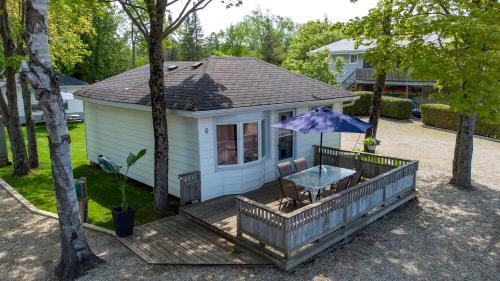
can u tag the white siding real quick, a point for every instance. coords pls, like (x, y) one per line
(348, 67)
(218, 181)
(114, 132)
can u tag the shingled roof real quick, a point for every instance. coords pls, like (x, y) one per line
(216, 83)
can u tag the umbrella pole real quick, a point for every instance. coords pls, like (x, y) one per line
(320, 152)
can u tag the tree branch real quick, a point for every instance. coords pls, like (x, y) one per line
(200, 5)
(130, 10)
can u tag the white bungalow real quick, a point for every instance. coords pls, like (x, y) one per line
(67, 84)
(219, 116)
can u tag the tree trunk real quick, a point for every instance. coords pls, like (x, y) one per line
(158, 109)
(17, 146)
(30, 124)
(133, 38)
(76, 257)
(462, 158)
(378, 90)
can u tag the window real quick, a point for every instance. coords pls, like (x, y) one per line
(327, 106)
(353, 59)
(239, 143)
(227, 144)
(250, 142)
(285, 138)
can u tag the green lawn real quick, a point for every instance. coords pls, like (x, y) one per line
(103, 190)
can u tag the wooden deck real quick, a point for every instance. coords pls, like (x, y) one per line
(181, 241)
(220, 213)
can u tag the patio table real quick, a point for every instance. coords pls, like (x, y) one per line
(312, 180)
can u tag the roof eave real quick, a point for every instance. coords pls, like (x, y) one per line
(218, 112)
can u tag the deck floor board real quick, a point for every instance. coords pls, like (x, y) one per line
(179, 240)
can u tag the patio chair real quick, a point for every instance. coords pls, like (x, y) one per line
(356, 178)
(289, 192)
(285, 169)
(343, 184)
(300, 164)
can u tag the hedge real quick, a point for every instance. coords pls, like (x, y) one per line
(391, 107)
(440, 115)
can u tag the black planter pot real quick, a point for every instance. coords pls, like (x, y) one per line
(124, 221)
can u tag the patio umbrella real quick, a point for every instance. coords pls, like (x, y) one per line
(323, 120)
(67, 96)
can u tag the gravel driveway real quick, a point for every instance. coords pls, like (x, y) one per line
(448, 234)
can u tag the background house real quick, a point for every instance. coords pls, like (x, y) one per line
(359, 75)
(67, 84)
(220, 113)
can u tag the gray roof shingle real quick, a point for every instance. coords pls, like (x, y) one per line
(218, 83)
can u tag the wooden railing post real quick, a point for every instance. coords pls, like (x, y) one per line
(286, 239)
(238, 218)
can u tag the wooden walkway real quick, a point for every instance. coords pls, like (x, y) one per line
(180, 240)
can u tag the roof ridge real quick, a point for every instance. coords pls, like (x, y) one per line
(301, 75)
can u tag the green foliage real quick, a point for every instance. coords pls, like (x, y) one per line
(396, 108)
(38, 187)
(259, 35)
(380, 31)
(361, 106)
(111, 167)
(370, 141)
(316, 65)
(68, 22)
(190, 36)
(108, 50)
(441, 116)
(463, 54)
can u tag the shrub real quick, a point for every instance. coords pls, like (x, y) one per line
(390, 107)
(441, 116)
(396, 108)
(361, 106)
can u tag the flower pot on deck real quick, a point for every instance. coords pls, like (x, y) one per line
(123, 221)
(372, 147)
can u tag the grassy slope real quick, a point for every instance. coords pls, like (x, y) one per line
(103, 190)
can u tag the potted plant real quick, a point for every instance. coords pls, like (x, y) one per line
(371, 143)
(123, 216)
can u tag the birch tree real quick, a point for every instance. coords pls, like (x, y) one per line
(76, 255)
(9, 107)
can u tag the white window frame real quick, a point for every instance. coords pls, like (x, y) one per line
(240, 143)
(294, 140)
(351, 56)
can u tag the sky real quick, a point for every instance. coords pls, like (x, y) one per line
(216, 17)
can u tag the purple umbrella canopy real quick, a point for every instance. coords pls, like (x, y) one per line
(323, 120)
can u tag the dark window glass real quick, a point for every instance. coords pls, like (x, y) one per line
(250, 142)
(227, 144)
(285, 138)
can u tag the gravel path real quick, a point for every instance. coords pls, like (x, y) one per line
(448, 234)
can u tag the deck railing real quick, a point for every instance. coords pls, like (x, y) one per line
(190, 187)
(294, 237)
